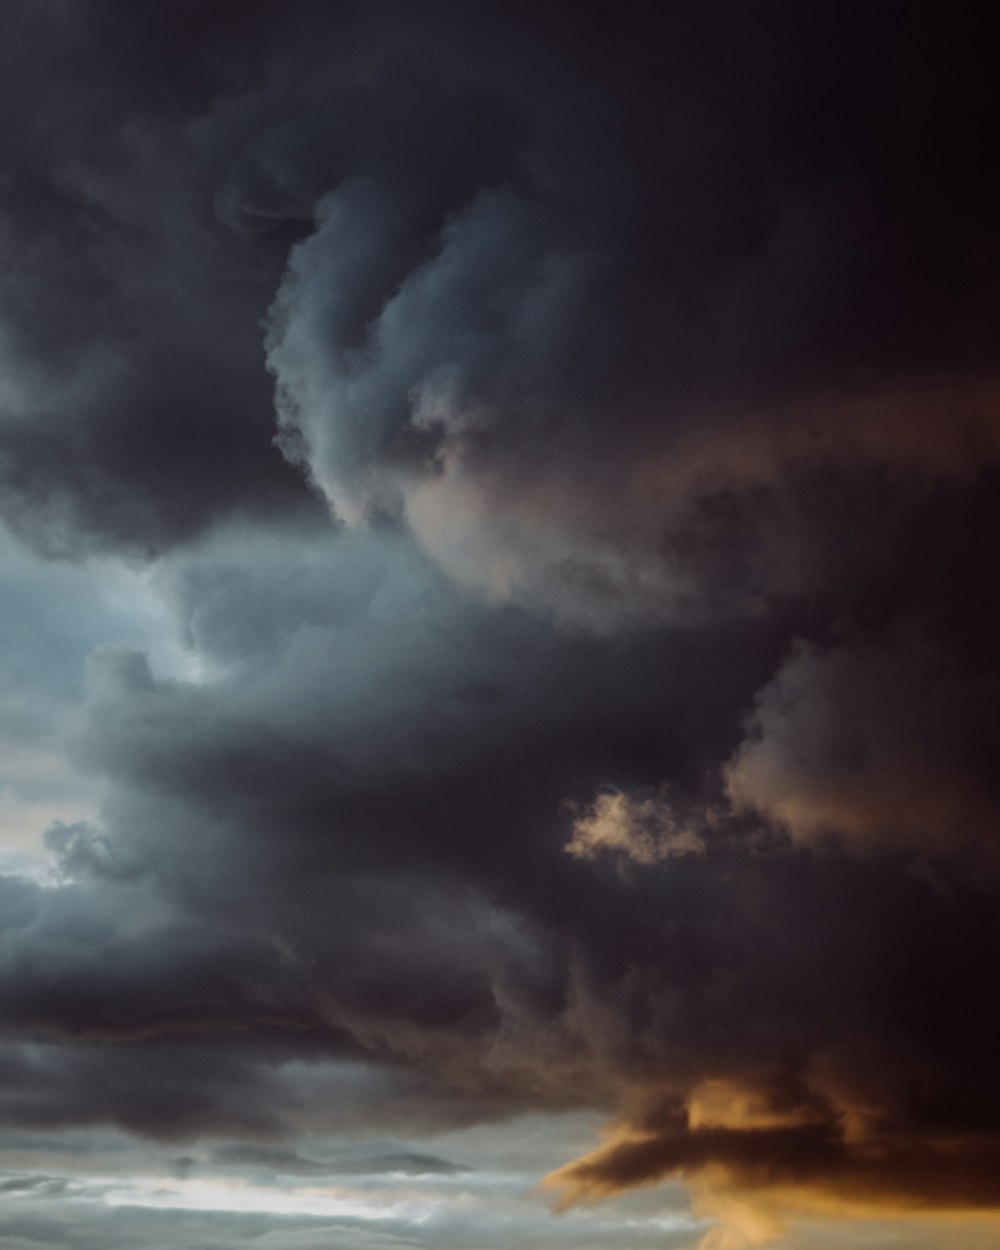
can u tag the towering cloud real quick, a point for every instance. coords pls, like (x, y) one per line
(536, 471)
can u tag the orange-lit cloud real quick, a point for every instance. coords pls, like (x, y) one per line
(753, 1161)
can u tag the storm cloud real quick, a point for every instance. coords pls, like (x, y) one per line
(501, 615)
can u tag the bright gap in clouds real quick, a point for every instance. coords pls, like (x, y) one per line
(240, 1195)
(481, 1195)
(56, 614)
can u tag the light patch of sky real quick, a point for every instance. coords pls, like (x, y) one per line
(54, 614)
(491, 1203)
(334, 1202)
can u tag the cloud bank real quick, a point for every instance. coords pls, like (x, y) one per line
(549, 465)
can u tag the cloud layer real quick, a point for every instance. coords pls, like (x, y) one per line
(524, 484)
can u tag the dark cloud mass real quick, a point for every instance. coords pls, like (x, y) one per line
(548, 456)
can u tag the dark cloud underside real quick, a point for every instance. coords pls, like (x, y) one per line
(565, 442)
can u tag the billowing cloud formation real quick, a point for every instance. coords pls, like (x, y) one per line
(565, 450)
(888, 746)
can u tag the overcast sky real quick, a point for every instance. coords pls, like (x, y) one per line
(499, 701)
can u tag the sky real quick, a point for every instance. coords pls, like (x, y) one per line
(499, 697)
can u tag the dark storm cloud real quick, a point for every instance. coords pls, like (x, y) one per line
(884, 746)
(361, 879)
(151, 195)
(610, 389)
(646, 363)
